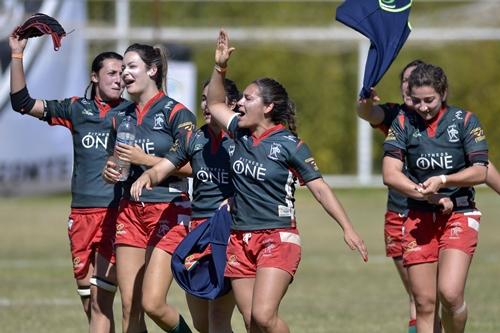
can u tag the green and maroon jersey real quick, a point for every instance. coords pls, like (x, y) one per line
(159, 124)
(396, 202)
(443, 146)
(89, 122)
(209, 154)
(264, 171)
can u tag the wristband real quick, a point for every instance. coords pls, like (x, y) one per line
(220, 69)
(443, 179)
(16, 55)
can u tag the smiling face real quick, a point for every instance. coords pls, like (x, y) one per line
(251, 108)
(426, 101)
(107, 80)
(135, 74)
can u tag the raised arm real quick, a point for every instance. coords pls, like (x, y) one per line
(19, 96)
(216, 96)
(369, 111)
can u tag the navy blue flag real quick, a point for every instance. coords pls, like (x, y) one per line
(385, 23)
(199, 261)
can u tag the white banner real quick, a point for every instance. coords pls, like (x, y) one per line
(36, 157)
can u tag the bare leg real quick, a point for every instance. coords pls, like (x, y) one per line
(83, 286)
(270, 286)
(102, 318)
(403, 274)
(423, 286)
(243, 294)
(453, 269)
(198, 308)
(157, 281)
(130, 273)
(220, 313)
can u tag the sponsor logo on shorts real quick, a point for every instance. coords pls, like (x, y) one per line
(389, 241)
(77, 262)
(456, 230)
(163, 229)
(233, 261)
(268, 245)
(120, 229)
(412, 247)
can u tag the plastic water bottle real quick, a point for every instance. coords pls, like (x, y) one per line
(125, 135)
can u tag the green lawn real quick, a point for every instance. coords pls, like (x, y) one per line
(334, 291)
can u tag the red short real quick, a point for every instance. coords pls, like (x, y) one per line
(91, 230)
(177, 234)
(427, 233)
(249, 250)
(148, 224)
(393, 233)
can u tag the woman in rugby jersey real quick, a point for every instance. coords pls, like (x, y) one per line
(264, 247)
(94, 204)
(207, 150)
(147, 229)
(445, 152)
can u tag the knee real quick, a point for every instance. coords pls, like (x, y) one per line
(151, 307)
(425, 303)
(451, 299)
(264, 319)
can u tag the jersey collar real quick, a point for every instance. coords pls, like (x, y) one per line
(268, 132)
(104, 107)
(215, 139)
(432, 125)
(141, 113)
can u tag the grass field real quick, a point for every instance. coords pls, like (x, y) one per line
(334, 291)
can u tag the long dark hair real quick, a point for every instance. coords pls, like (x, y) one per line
(283, 111)
(429, 75)
(153, 55)
(97, 64)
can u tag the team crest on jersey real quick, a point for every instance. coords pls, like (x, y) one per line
(275, 150)
(478, 134)
(231, 150)
(453, 133)
(159, 121)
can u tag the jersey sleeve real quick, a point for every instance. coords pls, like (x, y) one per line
(396, 135)
(234, 131)
(303, 165)
(474, 138)
(181, 150)
(391, 111)
(59, 112)
(181, 121)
